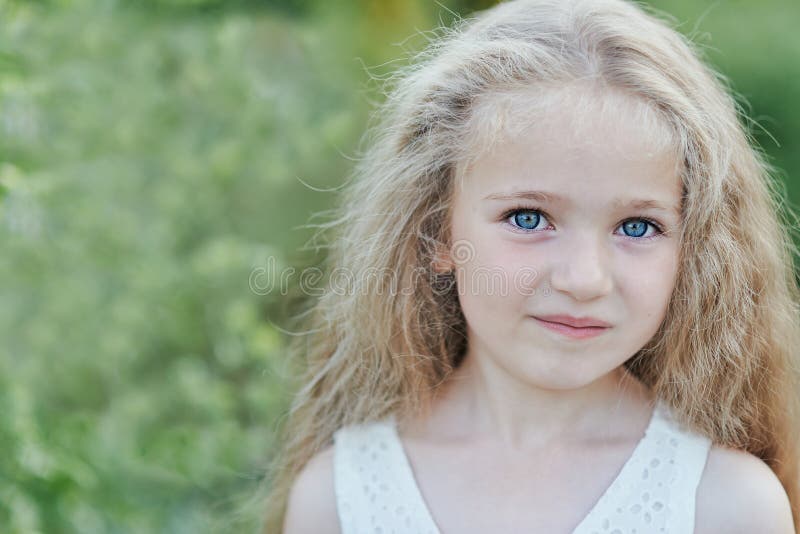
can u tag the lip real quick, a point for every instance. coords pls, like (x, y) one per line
(580, 328)
(575, 322)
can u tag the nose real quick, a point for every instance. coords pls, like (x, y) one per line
(581, 268)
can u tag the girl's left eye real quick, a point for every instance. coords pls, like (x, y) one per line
(526, 220)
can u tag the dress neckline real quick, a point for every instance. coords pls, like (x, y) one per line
(417, 501)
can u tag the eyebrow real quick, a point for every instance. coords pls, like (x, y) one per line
(554, 198)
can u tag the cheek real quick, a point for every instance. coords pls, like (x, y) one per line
(650, 287)
(494, 284)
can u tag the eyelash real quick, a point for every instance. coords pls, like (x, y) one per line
(659, 229)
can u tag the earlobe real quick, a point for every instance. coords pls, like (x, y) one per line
(442, 263)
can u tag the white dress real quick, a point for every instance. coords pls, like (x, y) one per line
(654, 492)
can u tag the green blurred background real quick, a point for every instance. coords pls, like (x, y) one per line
(156, 153)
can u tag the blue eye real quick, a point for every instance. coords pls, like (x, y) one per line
(636, 226)
(526, 220)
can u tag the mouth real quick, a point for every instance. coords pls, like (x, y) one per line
(576, 322)
(575, 332)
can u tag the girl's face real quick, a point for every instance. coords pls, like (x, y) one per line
(545, 225)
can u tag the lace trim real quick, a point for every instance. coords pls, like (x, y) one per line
(654, 492)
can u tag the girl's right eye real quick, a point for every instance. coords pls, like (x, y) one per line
(525, 219)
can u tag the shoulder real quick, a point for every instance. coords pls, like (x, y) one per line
(311, 507)
(739, 493)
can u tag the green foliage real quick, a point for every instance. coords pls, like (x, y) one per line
(153, 156)
(148, 168)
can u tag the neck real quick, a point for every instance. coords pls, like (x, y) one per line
(482, 403)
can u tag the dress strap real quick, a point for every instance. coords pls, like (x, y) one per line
(370, 482)
(351, 478)
(690, 451)
(655, 492)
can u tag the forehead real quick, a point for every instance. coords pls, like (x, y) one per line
(578, 140)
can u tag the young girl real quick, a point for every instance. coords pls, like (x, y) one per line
(562, 298)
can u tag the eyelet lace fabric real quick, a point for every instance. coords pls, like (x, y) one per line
(654, 492)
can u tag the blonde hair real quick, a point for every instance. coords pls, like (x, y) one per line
(725, 355)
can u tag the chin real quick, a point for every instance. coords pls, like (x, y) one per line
(561, 379)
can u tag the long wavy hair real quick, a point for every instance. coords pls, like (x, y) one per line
(725, 356)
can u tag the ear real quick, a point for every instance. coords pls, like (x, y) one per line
(442, 261)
